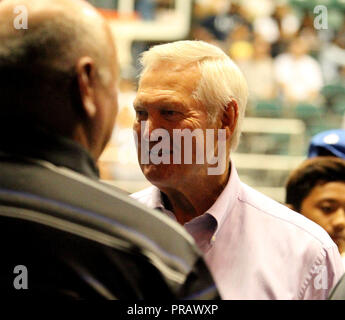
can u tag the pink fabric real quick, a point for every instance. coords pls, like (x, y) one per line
(257, 248)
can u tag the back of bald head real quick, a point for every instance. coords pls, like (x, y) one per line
(38, 64)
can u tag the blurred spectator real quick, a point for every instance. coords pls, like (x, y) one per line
(328, 143)
(254, 10)
(288, 25)
(298, 74)
(240, 43)
(288, 21)
(316, 189)
(332, 58)
(220, 18)
(267, 28)
(259, 72)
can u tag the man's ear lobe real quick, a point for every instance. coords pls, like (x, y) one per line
(230, 116)
(86, 73)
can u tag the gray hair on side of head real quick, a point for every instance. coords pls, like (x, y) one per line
(221, 80)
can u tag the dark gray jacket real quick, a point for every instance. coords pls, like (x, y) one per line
(79, 238)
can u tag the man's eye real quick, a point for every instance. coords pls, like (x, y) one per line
(328, 209)
(141, 113)
(169, 113)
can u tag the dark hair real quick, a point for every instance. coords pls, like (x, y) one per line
(312, 172)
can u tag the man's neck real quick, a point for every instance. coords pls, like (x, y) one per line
(194, 199)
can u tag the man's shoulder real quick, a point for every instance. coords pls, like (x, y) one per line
(75, 196)
(87, 210)
(281, 218)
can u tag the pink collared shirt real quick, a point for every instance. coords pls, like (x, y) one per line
(257, 248)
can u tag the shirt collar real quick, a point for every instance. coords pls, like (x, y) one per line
(158, 203)
(219, 210)
(226, 200)
(156, 199)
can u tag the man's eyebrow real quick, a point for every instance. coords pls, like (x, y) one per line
(166, 104)
(159, 103)
(328, 199)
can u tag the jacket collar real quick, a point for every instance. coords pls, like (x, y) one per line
(38, 143)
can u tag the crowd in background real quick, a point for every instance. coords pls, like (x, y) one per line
(286, 60)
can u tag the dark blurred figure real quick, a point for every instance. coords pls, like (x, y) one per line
(316, 189)
(75, 237)
(220, 18)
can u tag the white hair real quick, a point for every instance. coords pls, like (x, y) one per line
(221, 80)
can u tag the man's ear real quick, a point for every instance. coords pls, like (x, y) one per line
(86, 74)
(230, 116)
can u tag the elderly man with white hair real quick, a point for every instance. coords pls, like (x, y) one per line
(255, 247)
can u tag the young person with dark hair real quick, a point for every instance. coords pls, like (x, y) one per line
(316, 189)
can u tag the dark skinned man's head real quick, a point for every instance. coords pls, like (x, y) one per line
(61, 72)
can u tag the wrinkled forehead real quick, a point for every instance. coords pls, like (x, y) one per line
(324, 190)
(167, 75)
(173, 65)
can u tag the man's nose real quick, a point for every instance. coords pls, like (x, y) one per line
(145, 129)
(148, 128)
(339, 219)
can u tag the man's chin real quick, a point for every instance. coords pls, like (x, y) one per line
(156, 173)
